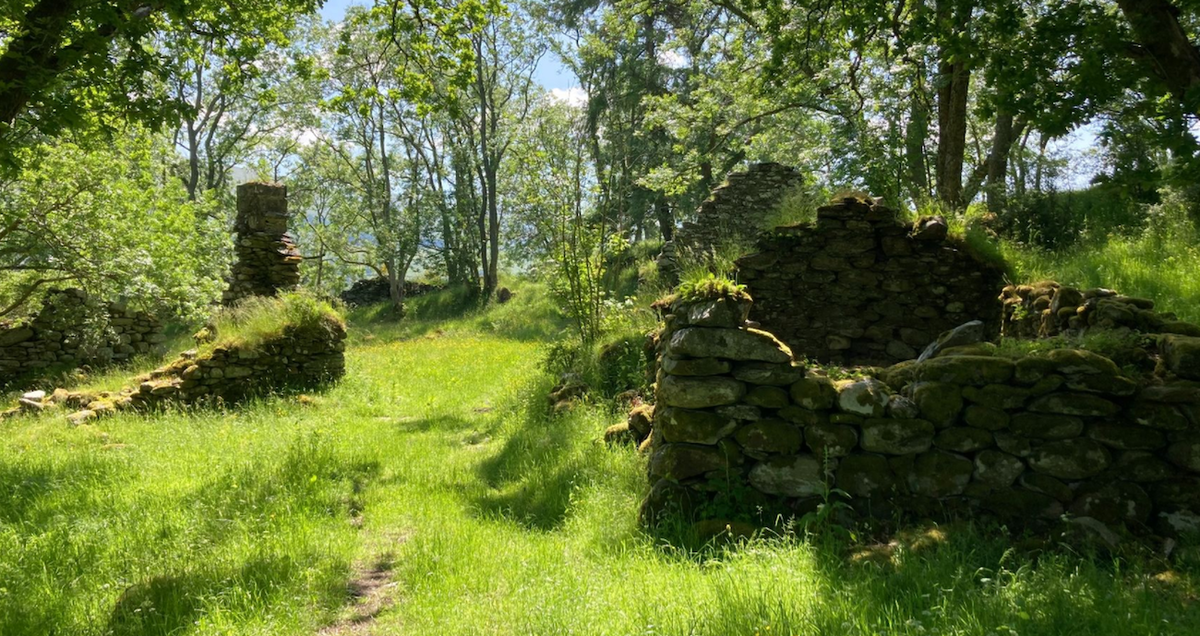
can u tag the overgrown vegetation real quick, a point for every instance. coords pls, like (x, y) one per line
(260, 318)
(438, 461)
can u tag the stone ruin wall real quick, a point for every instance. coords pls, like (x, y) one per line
(862, 287)
(1022, 439)
(64, 334)
(735, 211)
(297, 358)
(266, 258)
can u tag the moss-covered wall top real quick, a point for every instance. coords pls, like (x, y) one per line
(861, 286)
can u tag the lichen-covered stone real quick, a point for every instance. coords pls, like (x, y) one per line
(1070, 459)
(1143, 467)
(814, 392)
(902, 408)
(682, 461)
(939, 402)
(831, 440)
(862, 476)
(770, 436)
(717, 312)
(1046, 426)
(1074, 404)
(1125, 437)
(699, 392)
(940, 474)
(769, 397)
(1047, 485)
(1185, 454)
(698, 427)
(961, 439)
(1116, 502)
(897, 437)
(801, 416)
(730, 344)
(789, 475)
(1165, 417)
(997, 468)
(694, 366)
(868, 397)
(965, 370)
(1181, 355)
(768, 373)
(998, 396)
(1019, 503)
(986, 418)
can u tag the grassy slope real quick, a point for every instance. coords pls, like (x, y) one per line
(436, 454)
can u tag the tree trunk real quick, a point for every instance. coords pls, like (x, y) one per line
(954, 81)
(395, 286)
(952, 131)
(1173, 57)
(666, 220)
(914, 148)
(493, 278)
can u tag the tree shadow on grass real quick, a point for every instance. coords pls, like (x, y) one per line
(35, 495)
(954, 578)
(532, 477)
(168, 604)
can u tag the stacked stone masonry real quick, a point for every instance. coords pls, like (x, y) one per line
(862, 287)
(266, 259)
(1047, 309)
(295, 359)
(70, 330)
(735, 211)
(1023, 439)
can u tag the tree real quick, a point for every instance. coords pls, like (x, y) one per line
(114, 222)
(77, 64)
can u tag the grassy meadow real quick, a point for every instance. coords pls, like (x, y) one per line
(435, 470)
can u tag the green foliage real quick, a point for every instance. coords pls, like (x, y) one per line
(710, 287)
(75, 67)
(111, 221)
(1110, 343)
(260, 318)
(1160, 263)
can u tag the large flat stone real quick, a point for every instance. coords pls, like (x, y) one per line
(730, 344)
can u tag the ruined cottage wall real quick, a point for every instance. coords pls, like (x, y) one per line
(71, 330)
(266, 259)
(1022, 439)
(735, 212)
(862, 287)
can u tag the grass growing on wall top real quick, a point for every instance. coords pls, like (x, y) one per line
(259, 318)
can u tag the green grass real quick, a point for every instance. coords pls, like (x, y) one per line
(1164, 268)
(437, 454)
(260, 318)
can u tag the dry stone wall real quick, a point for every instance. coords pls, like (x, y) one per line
(266, 259)
(738, 418)
(735, 212)
(297, 358)
(70, 330)
(862, 287)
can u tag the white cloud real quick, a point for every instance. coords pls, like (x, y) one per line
(573, 96)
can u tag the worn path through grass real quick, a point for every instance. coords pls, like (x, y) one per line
(434, 475)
